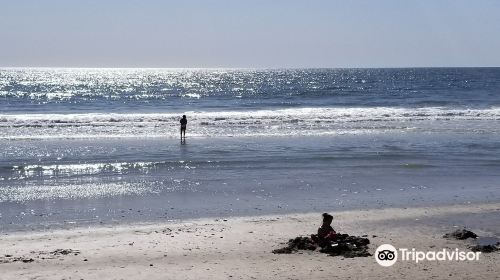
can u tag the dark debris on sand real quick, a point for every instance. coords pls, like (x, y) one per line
(483, 244)
(297, 243)
(484, 248)
(65, 252)
(487, 244)
(43, 255)
(343, 245)
(460, 234)
(10, 258)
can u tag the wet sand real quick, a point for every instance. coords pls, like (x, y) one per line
(240, 248)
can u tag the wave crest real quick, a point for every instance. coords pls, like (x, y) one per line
(290, 121)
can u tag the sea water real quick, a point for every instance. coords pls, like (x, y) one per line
(87, 146)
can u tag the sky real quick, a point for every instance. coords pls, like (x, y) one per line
(249, 33)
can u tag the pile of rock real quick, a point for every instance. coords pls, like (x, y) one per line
(481, 244)
(343, 245)
(461, 234)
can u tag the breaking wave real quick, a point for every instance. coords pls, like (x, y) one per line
(279, 122)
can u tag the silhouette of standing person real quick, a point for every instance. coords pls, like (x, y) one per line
(184, 122)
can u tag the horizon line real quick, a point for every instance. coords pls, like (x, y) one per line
(236, 68)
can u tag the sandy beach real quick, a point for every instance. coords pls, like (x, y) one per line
(240, 248)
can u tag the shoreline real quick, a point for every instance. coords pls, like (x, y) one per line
(70, 225)
(240, 247)
(442, 208)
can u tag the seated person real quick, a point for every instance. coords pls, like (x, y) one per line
(325, 233)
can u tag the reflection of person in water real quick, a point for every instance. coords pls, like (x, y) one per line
(325, 233)
(184, 122)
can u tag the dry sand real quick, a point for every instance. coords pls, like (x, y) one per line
(240, 248)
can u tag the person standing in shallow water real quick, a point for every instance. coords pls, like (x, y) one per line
(184, 122)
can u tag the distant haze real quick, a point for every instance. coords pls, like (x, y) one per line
(255, 34)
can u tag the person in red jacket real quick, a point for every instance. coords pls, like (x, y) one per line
(325, 233)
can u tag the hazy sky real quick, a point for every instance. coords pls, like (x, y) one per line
(251, 33)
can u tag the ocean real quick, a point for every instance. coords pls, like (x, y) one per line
(80, 147)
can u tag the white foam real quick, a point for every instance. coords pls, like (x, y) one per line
(289, 121)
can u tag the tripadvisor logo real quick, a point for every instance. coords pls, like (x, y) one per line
(387, 255)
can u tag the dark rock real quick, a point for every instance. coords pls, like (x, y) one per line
(460, 234)
(284, 250)
(347, 246)
(295, 244)
(302, 243)
(486, 244)
(484, 248)
(343, 245)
